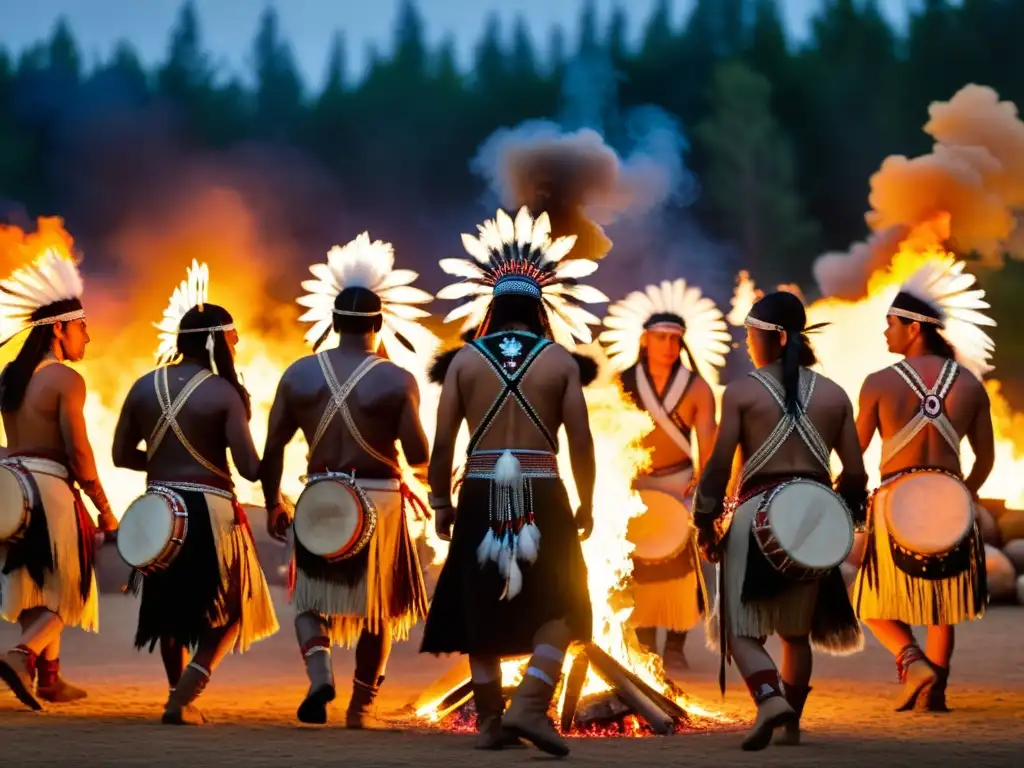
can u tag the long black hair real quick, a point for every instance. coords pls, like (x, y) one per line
(785, 310)
(193, 345)
(16, 374)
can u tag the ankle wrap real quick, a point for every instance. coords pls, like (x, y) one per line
(319, 644)
(910, 654)
(31, 658)
(763, 685)
(49, 672)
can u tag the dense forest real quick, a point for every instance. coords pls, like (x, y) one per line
(394, 151)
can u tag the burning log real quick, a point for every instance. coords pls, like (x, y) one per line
(622, 682)
(573, 688)
(630, 698)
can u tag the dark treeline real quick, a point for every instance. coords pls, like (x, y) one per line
(783, 138)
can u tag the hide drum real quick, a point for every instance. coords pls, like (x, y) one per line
(334, 519)
(929, 512)
(153, 530)
(16, 501)
(803, 529)
(1014, 551)
(663, 531)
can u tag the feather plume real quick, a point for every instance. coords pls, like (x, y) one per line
(522, 247)
(706, 336)
(363, 263)
(51, 277)
(952, 293)
(193, 291)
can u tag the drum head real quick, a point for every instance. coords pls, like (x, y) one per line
(663, 530)
(811, 524)
(12, 503)
(329, 518)
(928, 512)
(145, 530)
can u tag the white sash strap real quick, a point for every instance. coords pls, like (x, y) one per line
(169, 417)
(659, 410)
(338, 404)
(787, 425)
(932, 409)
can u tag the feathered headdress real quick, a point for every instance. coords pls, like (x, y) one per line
(47, 291)
(670, 306)
(191, 292)
(520, 257)
(940, 293)
(370, 265)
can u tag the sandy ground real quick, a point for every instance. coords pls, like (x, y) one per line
(252, 701)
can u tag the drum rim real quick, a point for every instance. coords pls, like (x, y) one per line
(19, 472)
(687, 539)
(172, 499)
(915, 474)
(764, 506)
(365, 527)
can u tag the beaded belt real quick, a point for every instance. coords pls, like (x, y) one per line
(539, 464)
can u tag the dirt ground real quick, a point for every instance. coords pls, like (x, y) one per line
(252, 700)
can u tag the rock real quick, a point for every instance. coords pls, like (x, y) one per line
(1015, 552)
(1001, 576)
(1020, 589)
(1011, 524)
(988, 525)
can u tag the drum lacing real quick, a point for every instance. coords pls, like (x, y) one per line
(932, 409)
(787, 425)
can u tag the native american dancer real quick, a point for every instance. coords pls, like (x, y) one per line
(515, 581)
(187, 538)
(924, 562)
(47, 539)
(789, 531)
(356, 575)
(648, 332)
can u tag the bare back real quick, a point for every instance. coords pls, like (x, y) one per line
(889, 404)
(383, 407)
(543, 386)
(212, 419)
(36, 425)
(828, 410)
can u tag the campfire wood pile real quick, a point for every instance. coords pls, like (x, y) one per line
(629, 697)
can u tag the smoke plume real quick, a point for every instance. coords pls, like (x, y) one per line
(974, 175)
(568, 169)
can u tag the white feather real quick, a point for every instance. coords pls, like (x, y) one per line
(362, 263)
(707, 335)
(944, 285)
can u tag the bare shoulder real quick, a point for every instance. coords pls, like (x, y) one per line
(741, 392)
(700, 388)
(832, 391)
(65, 378)
(301, 369)
(396, 376)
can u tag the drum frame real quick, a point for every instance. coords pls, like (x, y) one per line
(179, 531)
(28, 496)
(773, 551)
(938, 565)
(363, 533)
